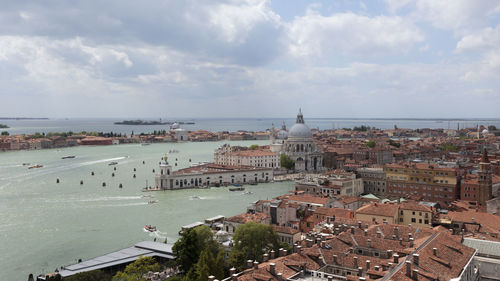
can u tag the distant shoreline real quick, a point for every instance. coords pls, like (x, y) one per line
(24, 118)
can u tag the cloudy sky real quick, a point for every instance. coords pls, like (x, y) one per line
(250, 58)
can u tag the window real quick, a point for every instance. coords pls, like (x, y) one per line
(419, 220)
(413, 220)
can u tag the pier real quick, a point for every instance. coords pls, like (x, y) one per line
(117, 260)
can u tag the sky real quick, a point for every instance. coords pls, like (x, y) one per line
(250, 58)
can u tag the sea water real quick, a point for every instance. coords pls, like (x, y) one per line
(232, 124)
(45, 225)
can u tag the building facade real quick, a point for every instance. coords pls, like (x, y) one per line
(242, 156)
(209, 175)
(430, 182)
(373, 180)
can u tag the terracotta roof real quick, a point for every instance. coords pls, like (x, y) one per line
(308, 199)
(286, 230)
(212, 168)
(377, 209)
(337, 212)
(248, 217)
(489, 222)
(414, 207)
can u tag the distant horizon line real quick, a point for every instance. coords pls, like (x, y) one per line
(258, 118)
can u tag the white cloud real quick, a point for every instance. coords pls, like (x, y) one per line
(316, 35)
(488, 38)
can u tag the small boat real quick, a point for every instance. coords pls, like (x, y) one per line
(153, 202)
(145, 143)
(237, 188)
(35, 166)
(147, 196)
(112, 163)
(253, 183)
(150, 228)
(26, 164)
(195, 197)
(173, 151)
(68, 157)
(247, 193)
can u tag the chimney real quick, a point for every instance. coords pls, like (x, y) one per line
(377, 267)
(396, 232)
(211, 278)
(415, 274)
(410, 226)
(265, 257)
(355, 262)
(318, 241)
(273, 254)
(285, 252)
(330, 278)
(309, 243)
(256, 265)
(389, 254)
(335, 259)
(322, 244)
(280, 276)
(280, 252)
(232, 271)
(411, 242)
(272, 268)
(368, 264)
(435, 251)
(360, 271)
(235, 277)
(408, 268)
(379, 234)
(391, 265)
(249, 263)
(299, 249)
(400, 241)
(336, 231)
(366, 232)
(385, 221)
(410, 235)
(369, 243)
(396, 258)
(359, 225)
(415, 259)
(352, 229)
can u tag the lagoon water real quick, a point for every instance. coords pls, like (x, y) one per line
(44, 224)
(232, 124)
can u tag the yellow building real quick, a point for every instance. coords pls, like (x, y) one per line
(415, 214)
(429, 182)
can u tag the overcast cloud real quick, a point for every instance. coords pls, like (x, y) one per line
(250, 58)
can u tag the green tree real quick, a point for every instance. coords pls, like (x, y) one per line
(251, 241)
(394, 143)
(135, 270)
(207, 265)
(371, 143)
(449, 147)
(253, 146)
(94, 275)
(190, 245)
(286, 162)
(5, 133)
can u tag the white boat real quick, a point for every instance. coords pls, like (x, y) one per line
(195, 164)
(112, 163)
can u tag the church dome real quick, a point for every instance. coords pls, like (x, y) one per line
(300, 130)
(282, 135)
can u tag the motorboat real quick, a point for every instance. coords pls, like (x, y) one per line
(26, 164)
(152, 201)
(150, 228)
(195, 197)
(145, 143)
(173, 151)
(35, 166)
(68, 157)
(112, 163)
(247, 193)
(239, 188)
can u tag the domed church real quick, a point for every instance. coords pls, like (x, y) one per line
(299, 145)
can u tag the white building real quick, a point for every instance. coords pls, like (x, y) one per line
(242, 156)
(209, 175)
(300, 147)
